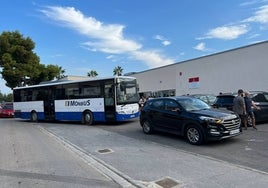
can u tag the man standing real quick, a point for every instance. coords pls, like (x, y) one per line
(249, 104)
(142, 101)
(240, 108)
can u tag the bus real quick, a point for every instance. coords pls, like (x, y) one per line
(89, 100)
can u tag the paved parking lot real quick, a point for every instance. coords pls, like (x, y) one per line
(161, 157)
(165, 159)
(248, 149)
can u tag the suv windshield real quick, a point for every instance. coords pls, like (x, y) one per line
(193, 104)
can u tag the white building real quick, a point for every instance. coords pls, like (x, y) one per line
(228, 71)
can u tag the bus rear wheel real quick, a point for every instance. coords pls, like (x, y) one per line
(34, 117)
(87, 118)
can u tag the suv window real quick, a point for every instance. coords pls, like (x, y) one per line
(171, 105)
(158, 104)
(261, 98)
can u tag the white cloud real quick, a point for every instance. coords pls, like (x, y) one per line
(226, 32)
(253, 36)
(201, 46)
(159, 37)
(260, 16)
(249, 3)
(166, 43)
(110, 57)
(106, 38)
(163, 40)
(152, 58)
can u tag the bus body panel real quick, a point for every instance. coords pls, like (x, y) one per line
(73, 109)
(23, 109)
(77, 116)
(128, 111)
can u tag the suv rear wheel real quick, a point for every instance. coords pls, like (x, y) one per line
(194, 135)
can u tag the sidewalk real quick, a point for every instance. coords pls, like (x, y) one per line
(138, 163)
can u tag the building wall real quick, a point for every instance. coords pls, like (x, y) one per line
(244, 67)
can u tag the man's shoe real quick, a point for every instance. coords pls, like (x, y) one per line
(255, 128)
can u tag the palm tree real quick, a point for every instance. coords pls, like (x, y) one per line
(92, 73)
(118, 71)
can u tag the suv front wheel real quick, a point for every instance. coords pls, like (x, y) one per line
(194, 135)
(147, 127)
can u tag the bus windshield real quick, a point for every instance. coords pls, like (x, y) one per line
(126, 91)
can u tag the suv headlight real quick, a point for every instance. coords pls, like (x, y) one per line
(211, 120)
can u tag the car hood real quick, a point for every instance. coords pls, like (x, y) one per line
(215, 113)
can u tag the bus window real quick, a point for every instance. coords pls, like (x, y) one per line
(72, 91)
(90, 90)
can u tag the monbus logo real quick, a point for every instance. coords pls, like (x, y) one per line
(77, 103)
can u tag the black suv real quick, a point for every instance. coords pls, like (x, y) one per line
(224, 101)
(260, 98)
(189, 117)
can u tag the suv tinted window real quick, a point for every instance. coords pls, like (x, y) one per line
(171, 105)
(261, 98)
(158, 104)
(225, 100)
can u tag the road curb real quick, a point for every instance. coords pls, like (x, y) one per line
(102, 167)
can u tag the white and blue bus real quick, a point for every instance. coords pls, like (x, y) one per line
(89, 100)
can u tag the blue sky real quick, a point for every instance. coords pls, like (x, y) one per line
(137, 35)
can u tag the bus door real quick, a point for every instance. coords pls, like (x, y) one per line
(49, 104)
(109, 101)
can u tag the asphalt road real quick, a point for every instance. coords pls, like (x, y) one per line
(30, 158)
(249, 149)
(143, 159)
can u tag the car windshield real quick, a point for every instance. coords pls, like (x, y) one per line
(193, 104)
(8, 107)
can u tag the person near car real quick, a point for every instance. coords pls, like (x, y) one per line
(249, 104)
(142, 101)
(239, 107)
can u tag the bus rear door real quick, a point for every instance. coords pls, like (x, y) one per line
(49, 105)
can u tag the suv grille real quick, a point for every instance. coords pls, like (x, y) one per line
(231, 124)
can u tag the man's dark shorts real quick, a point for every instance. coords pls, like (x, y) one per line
(251, 114)
(243, 117)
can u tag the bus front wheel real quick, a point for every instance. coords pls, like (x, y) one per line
(34, 116)
(87, 118)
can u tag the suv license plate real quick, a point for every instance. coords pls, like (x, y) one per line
(234, 131)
